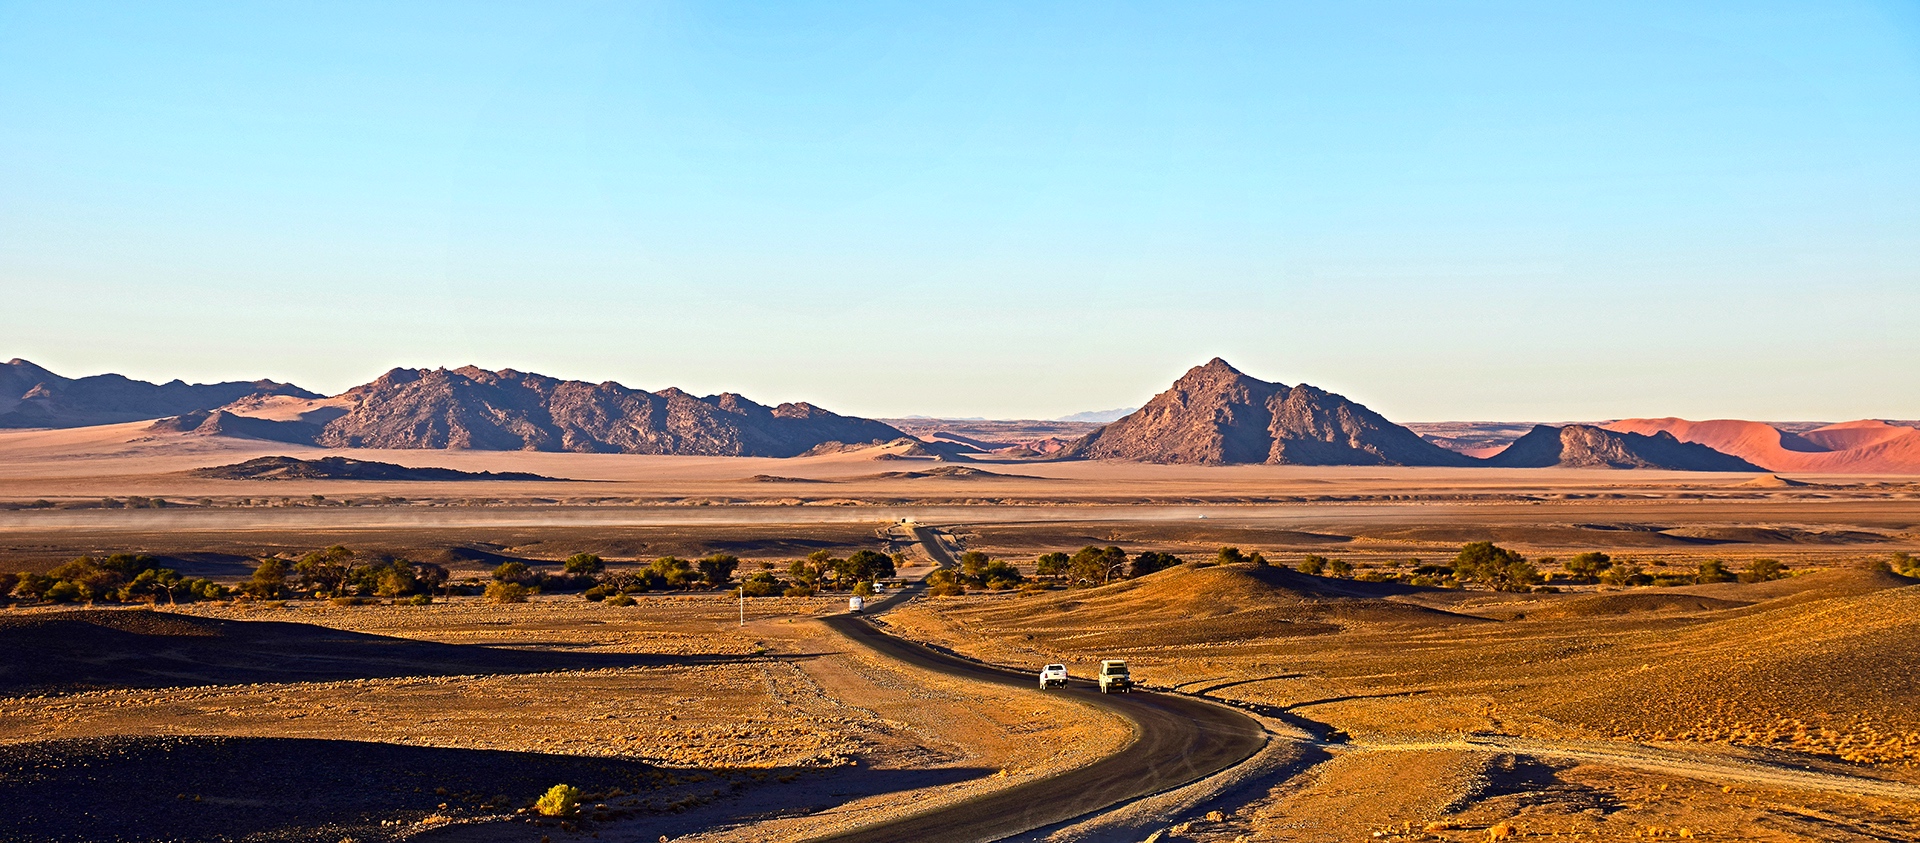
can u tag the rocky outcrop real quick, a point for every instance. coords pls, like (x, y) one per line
(341, 468)
(31, 396)
(1586, 446)
(1216, 415)
(471, 408)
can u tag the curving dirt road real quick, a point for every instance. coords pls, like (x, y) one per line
(1177, 740)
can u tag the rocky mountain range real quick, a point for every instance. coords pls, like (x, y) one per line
(1216, 415)
(31, 396)
(1586, 446)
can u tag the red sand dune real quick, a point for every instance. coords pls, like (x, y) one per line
(1857, 447)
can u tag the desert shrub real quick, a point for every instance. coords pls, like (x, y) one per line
(1151, 561)
(716, 569)
(1763, 570)
(1340, 568)
(1035, 587)
(1625, 573)
(1051, 564)
(1672, 580)
(584, 563)
(1434, 571)
(1312, 564)
(32, 586)
(1905, 565)
(798, 590)
(621, 600)
(673, 572)
(559, 801)
(1230, 555)
(598, 592)
(1713, 570)
(66, 591)
(1588, 566)
(1378, 576)
(7, 582)
(515, 572)
(348, 601)
(269, 580)
(761, 584)
(1496, 566)
(946, 582)
(506, 592)
(863, 589)
(420, 600)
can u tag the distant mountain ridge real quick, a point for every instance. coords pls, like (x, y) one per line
(31, 396)
(1586, 446)
(1857, 447)
(1216, 415)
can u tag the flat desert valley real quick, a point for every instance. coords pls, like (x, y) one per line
(1383, 700)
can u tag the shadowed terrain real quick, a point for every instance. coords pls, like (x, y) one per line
(96, 649)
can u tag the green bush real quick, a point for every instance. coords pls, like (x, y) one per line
(798, 590)
(1763, 570)
(506, 592)
(598, 592)
(620, 600)
(559, 801)
(1713, 570)
(1313, 564)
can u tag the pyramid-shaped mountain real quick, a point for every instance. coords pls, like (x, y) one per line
(1216, 415)
(472, 408)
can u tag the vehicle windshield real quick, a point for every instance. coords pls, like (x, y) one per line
(1056, 667)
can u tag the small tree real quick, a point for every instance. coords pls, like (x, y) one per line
(515, 572)
(1763, 570)
(1097, 565)
(1713, 570)
(584, 564)
(1340, 568)
(1313, 563)
(1151, 561)
(866, 566)
(717, 569)
(972, 563)
(1052, 564)
(325, 571)
(1587, 566)
(1497, 566)
(1230, 556)
(269, 580)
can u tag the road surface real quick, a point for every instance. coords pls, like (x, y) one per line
(1178, 740)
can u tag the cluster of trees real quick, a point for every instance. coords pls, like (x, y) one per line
(119, 578)
(821, 571)
(339, 573)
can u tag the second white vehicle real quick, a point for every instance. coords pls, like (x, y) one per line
(1053, 676)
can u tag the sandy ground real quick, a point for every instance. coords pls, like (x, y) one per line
(1762, 717)
(798, 724)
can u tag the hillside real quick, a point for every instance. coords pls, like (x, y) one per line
(31, 396)
(1585, 446)
(1216, 415)
(1857, 447)
(1193, 604)
(341, 468)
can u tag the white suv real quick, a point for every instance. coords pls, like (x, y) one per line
(1053, 676)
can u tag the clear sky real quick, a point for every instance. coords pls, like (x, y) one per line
(1522, 211)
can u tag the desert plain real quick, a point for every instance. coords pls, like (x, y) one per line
(1395, 707)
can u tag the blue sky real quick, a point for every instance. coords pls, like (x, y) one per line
(1446, 211)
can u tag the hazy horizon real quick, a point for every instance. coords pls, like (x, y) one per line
(1488, 212)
